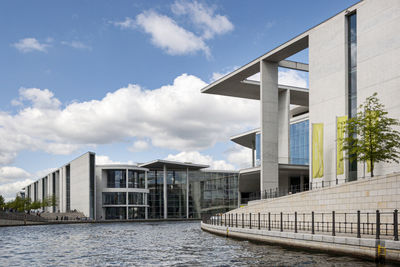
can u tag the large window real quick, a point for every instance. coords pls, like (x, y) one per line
(68, 184)
(136, 179)
(116, 213)
(258, 149)
(135, 198)
(299, 143)
(114, 198)
(116, 178)
(352, 80)
(136, 213)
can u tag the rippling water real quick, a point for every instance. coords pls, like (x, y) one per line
(145, 244)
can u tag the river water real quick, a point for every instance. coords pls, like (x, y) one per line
(146, 244)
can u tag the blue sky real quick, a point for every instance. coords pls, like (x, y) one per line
(122, 78)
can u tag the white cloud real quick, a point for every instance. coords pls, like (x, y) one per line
(239, 156)
(77, 45)
(168, 35)
(197, 157)
(8, 173)
(128, 23)
(9, 190)
(138, 146)
(175, 116)
(217, 75)
(287, 77)
(103, 160)
(29, 45)
(203, 17)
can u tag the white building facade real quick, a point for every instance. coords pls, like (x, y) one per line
(350, 56)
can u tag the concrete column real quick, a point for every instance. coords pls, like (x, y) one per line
(302, 182)
(187, 193)
(239, 199)
(269, 125)
(283, 126)
(165, 192)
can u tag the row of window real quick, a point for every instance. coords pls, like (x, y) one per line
(118, 179)
(119, 198)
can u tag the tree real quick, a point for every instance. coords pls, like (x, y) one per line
(1, 202)
(370, 135)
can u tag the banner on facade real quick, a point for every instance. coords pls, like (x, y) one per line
(317, 150)
(340, 126)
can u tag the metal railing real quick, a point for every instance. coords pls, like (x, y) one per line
(280, 192)
(359, 224)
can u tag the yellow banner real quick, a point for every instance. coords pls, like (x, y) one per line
(317, 150)
(340, 126)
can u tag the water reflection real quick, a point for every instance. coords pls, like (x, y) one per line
(145, 244)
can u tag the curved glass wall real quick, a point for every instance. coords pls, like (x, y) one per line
(136, 213)
(116, 178)
(136, 179)
(135, 198)
(115, 213)
(114, 198)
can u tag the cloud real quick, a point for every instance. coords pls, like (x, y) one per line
(239, 156)
(29, 45)
(203, 17)
(217, 75)
(138, 146)
(175, 116)
(168, 35)
(9, 190)
(77, 45)
(104, 160)
(128, 23)
(287, 77)
(197, 157)
(8, 173)
(174, 38)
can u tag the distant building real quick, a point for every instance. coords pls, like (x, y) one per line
(120, 191)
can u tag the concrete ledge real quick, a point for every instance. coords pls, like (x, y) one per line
(356, 247)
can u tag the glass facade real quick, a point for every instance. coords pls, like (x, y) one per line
(136, 213)
(135, 198)
(352, 80)
(258, 149)
(116, 178)
(115, 213)
(114, 198)
(209, 192)
(136, 179)
(299, 143)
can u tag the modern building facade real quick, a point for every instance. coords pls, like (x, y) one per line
(155, 190)
(350, 56)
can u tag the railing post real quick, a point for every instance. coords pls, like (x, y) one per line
(396, 225)
(312, 223)
(269, 221)
(250, 220)
(333, 223)
(378, 224)
(295, 221)
(358, 224)
(236, 221)
(281, 221)
(242, 220)
(259, 221)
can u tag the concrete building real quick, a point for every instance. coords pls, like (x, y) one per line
(158, 189)
(350, 56)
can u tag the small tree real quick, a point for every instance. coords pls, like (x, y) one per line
(370, 135)
(1, 202)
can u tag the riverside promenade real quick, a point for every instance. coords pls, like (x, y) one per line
(357, 218)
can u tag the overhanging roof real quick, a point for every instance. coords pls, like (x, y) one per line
(159, 164)
(246, 139)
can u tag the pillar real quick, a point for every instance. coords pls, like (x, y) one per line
(269, 125)
(146, 212)
(187, 193)
(165, 192)
(283, 126)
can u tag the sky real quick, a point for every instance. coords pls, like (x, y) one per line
(123, 79)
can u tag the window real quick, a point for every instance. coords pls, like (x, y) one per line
(114, 198)
(135, 198)
(68, 184)
(136, 179)
(258, 149)
(115, 213)
(299, 146)
(136, 213)
(116, 178)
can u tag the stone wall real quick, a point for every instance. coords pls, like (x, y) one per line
(368, 195)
